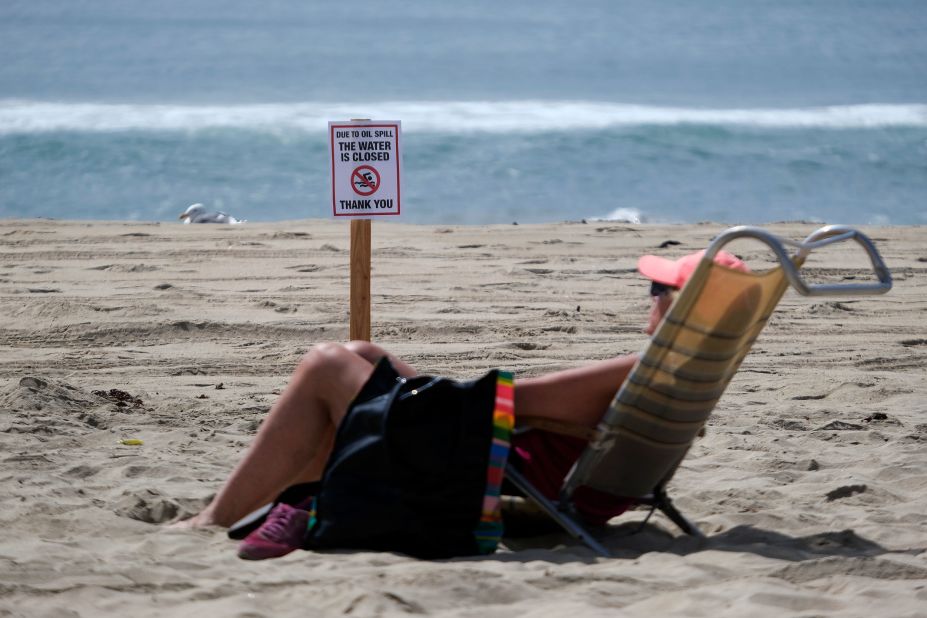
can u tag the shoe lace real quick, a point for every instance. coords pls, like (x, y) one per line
(278, 522)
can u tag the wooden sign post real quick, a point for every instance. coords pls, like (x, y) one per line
(360, 280)
(366, 162)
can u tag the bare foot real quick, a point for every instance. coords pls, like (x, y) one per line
(200, 520)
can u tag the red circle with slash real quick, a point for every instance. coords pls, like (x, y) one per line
(365, 180)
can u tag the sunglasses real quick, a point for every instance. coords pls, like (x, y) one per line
(659, 289)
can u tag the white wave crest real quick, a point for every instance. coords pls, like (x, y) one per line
(449, 117)
(622, 215)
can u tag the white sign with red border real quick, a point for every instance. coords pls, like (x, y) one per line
(366, 167)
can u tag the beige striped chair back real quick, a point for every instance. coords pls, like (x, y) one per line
(673, 388)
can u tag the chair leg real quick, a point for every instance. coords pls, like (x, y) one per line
(569, 524)
(663, 502)
(643, 524)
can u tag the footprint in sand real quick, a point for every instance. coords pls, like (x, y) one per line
(830, 307)
(148, 506)
(789, 424)
(849, 566)
(269, 304)
(841, 426)
(126, 268)
(305, 268)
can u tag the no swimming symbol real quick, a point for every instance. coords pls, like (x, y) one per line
(365, 180)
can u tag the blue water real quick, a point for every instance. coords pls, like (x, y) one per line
(741, 111)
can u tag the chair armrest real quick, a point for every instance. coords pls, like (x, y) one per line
(822, 237)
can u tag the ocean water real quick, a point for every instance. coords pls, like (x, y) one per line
(678, 111)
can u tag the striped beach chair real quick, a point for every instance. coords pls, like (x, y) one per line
(671, 391)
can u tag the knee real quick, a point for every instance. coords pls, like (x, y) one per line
(326, 356)
(370, 352)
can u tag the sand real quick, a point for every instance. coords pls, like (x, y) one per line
(811, 482)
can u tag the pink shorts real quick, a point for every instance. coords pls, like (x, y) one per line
(545, 458)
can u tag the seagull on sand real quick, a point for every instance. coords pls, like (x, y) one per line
(197, 213)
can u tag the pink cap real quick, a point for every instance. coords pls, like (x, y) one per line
(675, 273)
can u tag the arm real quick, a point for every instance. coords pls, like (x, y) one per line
(579, 396)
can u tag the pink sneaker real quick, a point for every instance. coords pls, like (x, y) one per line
(281, 533)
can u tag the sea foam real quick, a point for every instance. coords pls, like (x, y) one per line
(17, 117)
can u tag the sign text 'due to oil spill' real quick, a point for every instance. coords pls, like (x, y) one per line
(366, 167)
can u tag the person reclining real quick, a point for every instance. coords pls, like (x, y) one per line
(294, 442)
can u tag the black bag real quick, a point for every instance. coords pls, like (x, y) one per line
(414, 466)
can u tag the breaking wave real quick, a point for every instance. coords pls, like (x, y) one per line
(443, 117)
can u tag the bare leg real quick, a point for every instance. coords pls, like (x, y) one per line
(371, 353)
(298, 430)
(579, 396)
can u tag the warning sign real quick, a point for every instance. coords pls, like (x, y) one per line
(366, 166)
